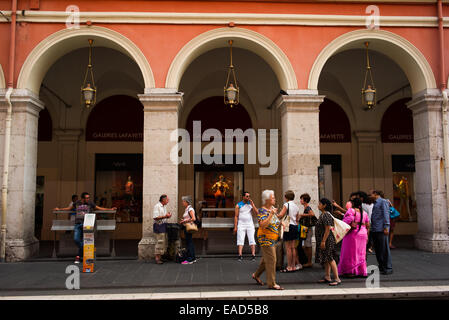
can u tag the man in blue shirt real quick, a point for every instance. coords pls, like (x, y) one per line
(380, 228)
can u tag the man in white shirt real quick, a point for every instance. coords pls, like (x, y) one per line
(244, 224)
(160, 217)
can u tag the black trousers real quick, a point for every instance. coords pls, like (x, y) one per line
(382, 248)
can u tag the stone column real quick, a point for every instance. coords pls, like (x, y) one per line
(370, 160)
(300, 143)
(20, 241)
(68, 140)
(430, 181)
(160, 174)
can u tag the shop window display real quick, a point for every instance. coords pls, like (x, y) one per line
(118, 183)
(218, 189)
(403, 186)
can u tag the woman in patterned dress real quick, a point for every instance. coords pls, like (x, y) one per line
(268, 236)
(326, 253)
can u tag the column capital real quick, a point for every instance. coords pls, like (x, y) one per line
(161, 100)
(426, 101)
(299, 101)
(22, 100)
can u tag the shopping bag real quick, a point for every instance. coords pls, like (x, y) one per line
(339, 229)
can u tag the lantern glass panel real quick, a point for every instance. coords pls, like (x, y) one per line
(88, 95)
(231, 93)
(369, 96)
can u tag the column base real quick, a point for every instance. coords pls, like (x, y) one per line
(437, 242)
(146, 248)
(20, 250)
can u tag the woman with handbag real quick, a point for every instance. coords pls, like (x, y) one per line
(268, 236)
(326, 253)
(188, 221)
(353, 249)
(290, 210)
(394, 216)
(308, 220)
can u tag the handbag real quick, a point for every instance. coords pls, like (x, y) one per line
(302, 231)
(191, 227)
(339, 229)
(286, 220)
(308, 221)
(394, 213)
(159, 227)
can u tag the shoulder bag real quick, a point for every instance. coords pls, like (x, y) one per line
(339, 229)
(191, 227)
(394, 213)
(286, 220)
(308, 221)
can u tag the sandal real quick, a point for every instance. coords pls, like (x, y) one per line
(276, 287)
(299, 267)
(335, 283)
(324, 280)
(259, 282)
(287, 271)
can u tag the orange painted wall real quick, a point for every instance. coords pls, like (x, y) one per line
(161, 43)
(307, 7)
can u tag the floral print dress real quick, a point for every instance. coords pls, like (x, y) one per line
(330, 251)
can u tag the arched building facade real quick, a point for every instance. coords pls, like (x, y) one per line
(300, 68)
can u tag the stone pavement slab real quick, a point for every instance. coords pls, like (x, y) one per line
(412, 268)
(440, 292)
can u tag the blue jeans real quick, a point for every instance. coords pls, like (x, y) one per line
(190, 246)
(78, 237)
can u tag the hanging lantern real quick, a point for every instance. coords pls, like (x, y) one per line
(88, 89)
(368, 90)
(231, 89)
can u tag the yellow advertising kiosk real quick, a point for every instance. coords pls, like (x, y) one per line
(89, 242)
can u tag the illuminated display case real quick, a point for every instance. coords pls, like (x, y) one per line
(218, 186)
(118, 183)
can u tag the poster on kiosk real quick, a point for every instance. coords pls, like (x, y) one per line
(89, 242)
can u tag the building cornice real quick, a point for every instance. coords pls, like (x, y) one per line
(224, 18)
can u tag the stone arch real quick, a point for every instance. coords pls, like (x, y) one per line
(243, 38)
(394, 131)
(221, 119)
(338, 124)
(400, 50)
(60, 43)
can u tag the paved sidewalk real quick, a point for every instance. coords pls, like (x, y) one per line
(412, 269)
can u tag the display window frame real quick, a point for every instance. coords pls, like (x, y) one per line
(132, 198)
(217, 168)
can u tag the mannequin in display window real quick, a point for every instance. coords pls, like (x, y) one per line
(220, 188)
(404, 195)
(129, 189)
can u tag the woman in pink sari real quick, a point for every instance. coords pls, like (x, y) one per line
(353, 247)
